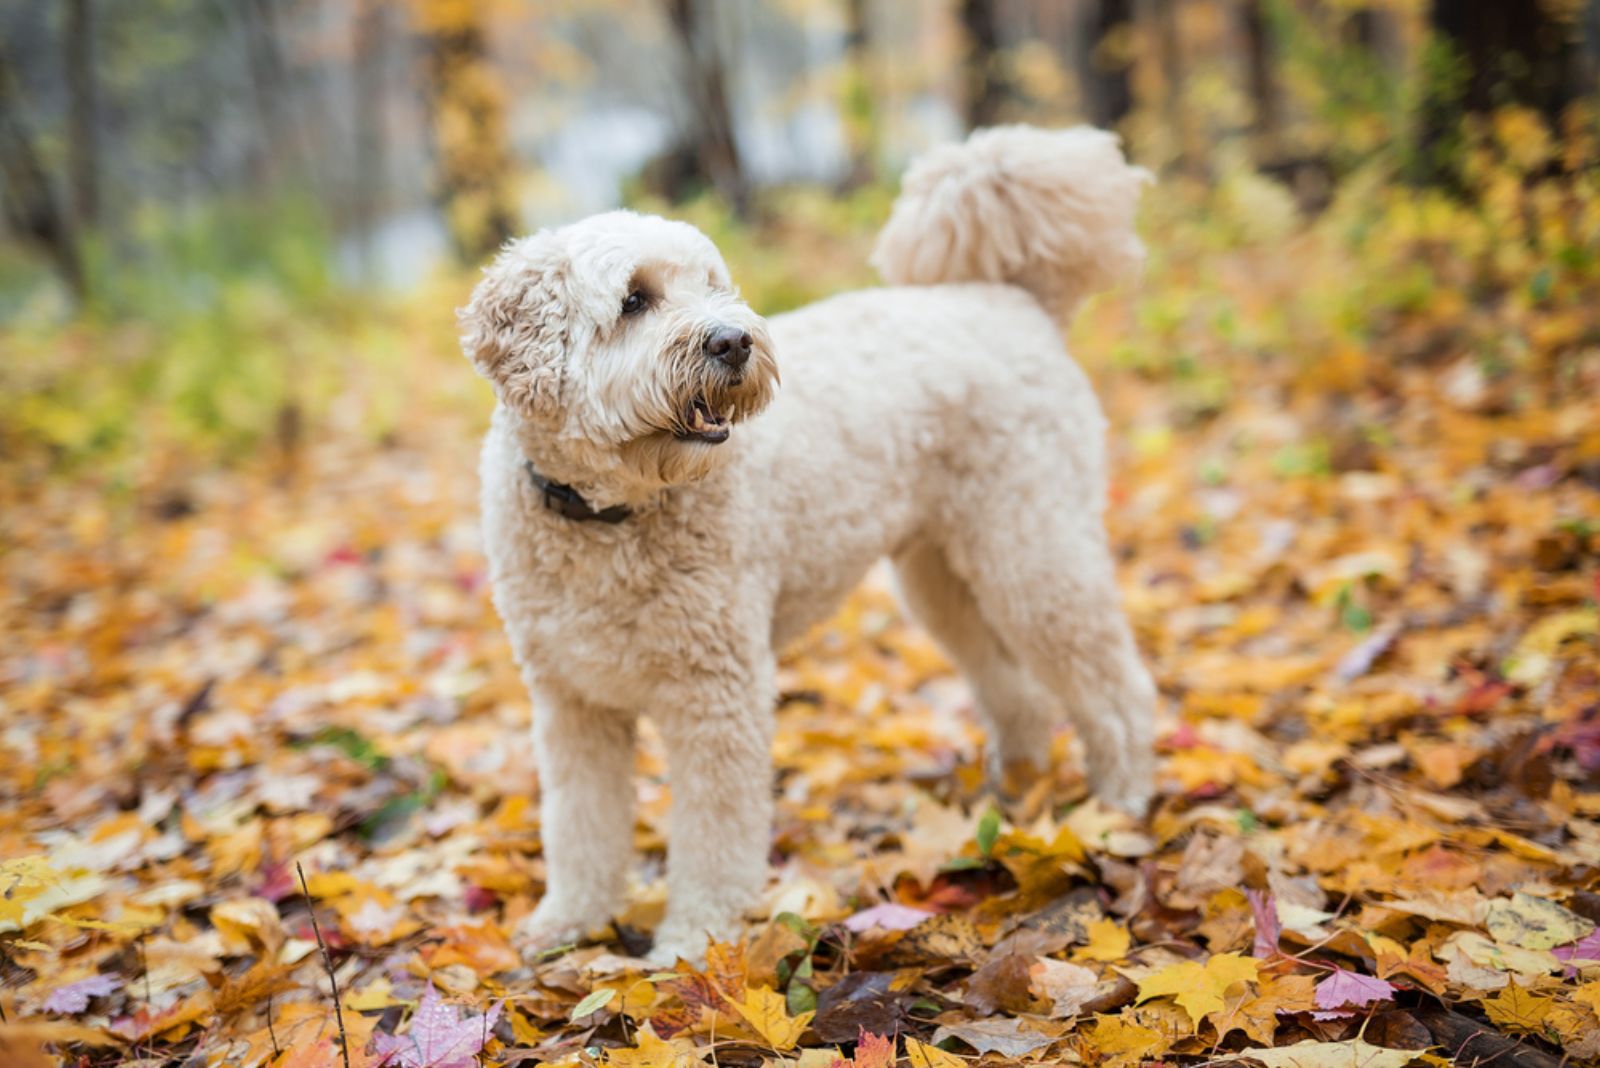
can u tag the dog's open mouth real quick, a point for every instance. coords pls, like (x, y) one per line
(701, 422)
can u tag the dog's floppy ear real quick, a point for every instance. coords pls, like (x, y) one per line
(517, 325)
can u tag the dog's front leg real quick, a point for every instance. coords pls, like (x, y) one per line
(585, 759)
(719, 760)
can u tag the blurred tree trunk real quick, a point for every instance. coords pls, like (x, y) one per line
(475, 170)
(269, 81)
(83, 150)
(982, 69)
(1497, 54)
(711, 139)
(31, 207)
(863, 132)
(1516, 53)
(1161, 21)
(1265, 129)
(369, 170)
(1104, 65)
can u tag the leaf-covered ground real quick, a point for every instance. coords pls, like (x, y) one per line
(1362, 562)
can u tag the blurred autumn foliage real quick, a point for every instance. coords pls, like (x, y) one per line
(1355, 419)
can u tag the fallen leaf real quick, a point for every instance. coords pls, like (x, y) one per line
(649, 1051)
(74, 997)
(592, 1003)
(1346, 989)
(1352, 1054)
(1582, 953)
(437, 1036)
(889, 916)
(873, 1051)
(250, 925)
(1108, 941)
(1533, 659)
(767, 1012)
(1068, 987)
(1004, 1036)
(861, 1001)
(923, 1055)
(1534, 923)
(1268, 930)
(1518, 1009)
(1126, 1041)
(1199, 988)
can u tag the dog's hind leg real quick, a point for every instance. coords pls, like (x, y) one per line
(1018, 713)
(585, 760)
(1046, 582)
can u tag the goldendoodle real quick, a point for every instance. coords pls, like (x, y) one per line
(661, 516)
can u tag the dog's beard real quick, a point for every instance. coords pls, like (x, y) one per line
(673, 409)
(700, 399)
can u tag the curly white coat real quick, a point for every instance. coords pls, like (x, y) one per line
(938, 422)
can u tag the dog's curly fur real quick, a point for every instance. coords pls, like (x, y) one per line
(938, 422)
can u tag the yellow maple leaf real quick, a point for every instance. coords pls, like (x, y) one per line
(378, 994)
(113, 926)
(1572, 1023)
(765, 1010)
(1589, 994)
(922, 1055)
(1199, 989)
(1125, 1042)
(10, 912)
(1518, 1009)
(654, 1052)
(1108, 941)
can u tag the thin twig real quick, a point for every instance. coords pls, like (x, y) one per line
(144, 966)
(327, 963)
(270, 1032)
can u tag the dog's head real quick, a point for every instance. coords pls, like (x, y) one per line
(622, 345)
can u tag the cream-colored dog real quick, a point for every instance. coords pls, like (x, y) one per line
(661, 516)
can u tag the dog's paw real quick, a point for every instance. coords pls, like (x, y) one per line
(678, 939)
(1134, 799)
(666, 955)
(546, 930)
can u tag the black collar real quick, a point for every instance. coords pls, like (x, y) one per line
(569, 503)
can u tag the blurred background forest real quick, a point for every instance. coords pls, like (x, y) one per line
(214, 211)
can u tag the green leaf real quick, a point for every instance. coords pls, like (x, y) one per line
(797, 924)
(597, 1000)
(392, 815)
(988, 831)
(800, 998)
(351, 743)
(1540, 285)
(1352, 613)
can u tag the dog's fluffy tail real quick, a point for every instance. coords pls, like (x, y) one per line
(1048, 210)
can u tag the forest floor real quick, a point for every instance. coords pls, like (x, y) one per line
(251, 708)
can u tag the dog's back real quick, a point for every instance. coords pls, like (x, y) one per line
(893, 396)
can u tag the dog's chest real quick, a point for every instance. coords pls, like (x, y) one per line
(614, 617)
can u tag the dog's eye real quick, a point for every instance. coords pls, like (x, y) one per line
(634, 303)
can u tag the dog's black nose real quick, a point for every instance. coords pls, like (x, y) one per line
(730, 345)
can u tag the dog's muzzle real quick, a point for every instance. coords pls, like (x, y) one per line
(708, 418)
